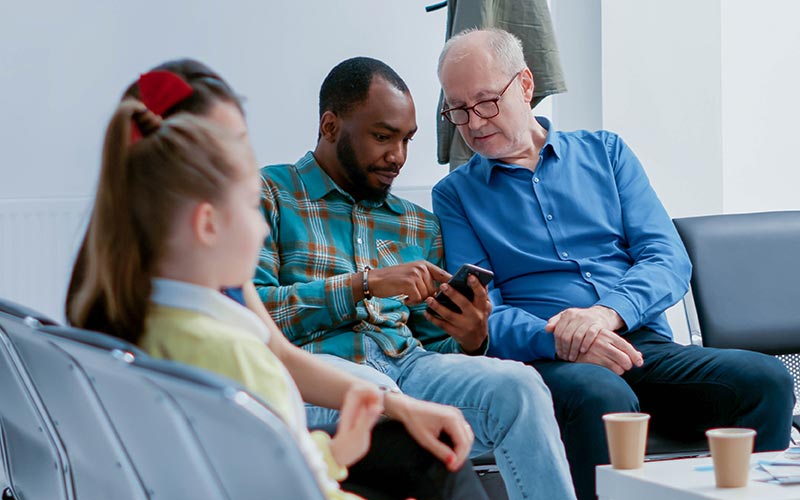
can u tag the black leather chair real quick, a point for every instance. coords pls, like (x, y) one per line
(746, 283)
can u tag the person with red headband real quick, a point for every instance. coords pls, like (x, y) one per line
(176, 219)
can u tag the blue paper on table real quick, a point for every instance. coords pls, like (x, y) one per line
(785, 469)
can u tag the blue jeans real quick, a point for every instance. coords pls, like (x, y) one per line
(685, 389)
(506, 403)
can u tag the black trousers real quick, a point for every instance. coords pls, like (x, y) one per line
(396, 467)
(685, 389)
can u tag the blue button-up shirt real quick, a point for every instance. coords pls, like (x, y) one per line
(584, 228)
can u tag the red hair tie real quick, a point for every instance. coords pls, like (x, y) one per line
(159, 91)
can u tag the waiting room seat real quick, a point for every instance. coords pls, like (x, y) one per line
(183, 432)
(746, 283)
(33, 459)
(152, 428)
(99, 464)
(19, 311)
(249, 446)
(176, 420)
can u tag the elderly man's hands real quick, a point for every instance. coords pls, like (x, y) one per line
(588, 336)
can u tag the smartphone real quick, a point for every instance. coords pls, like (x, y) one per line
(459, 282)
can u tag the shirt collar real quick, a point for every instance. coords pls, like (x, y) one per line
(550, 144)
(204, 300)
(318, 184)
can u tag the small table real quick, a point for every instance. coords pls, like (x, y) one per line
(678, 480)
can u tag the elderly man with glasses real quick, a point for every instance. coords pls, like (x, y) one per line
(586, 261)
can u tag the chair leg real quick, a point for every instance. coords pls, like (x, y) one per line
(492, 482)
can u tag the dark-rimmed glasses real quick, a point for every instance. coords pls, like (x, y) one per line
(483, 109)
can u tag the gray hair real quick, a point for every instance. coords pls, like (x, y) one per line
(506, 48)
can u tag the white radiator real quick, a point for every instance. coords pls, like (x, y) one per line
(38, 242)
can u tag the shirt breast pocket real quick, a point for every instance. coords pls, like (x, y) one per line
(392, 253)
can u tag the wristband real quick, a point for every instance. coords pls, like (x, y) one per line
(365, 283)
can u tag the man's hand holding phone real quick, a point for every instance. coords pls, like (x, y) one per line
(461, 307)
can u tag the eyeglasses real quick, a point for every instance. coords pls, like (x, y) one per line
(483, 109)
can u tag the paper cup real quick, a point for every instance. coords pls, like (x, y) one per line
(730, 450)
(626, 434)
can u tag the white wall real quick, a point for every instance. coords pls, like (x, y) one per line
(661, 92)
(760, 105)
(578, 30)
(705, 92)
(65, 64)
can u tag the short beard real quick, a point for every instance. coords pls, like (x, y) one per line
(359, 186)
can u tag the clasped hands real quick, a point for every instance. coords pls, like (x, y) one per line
(418, 281)
(588, 335)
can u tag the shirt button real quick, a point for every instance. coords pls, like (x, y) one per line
(358, 240)
(549, 216)
(536, 180)
(565, 254)
(587, 274)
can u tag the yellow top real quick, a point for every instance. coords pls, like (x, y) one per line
(201, 327)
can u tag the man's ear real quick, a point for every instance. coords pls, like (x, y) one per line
(205, 223)
(526, 77)
(329, 125)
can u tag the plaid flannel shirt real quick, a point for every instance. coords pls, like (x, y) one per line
(319, 237)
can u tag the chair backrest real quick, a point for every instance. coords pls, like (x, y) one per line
(22, 312)
(35, 464)
(190, 433)
(99, 464)
(252, 449)
(746, 282)
(745, 279)
(154, 431)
